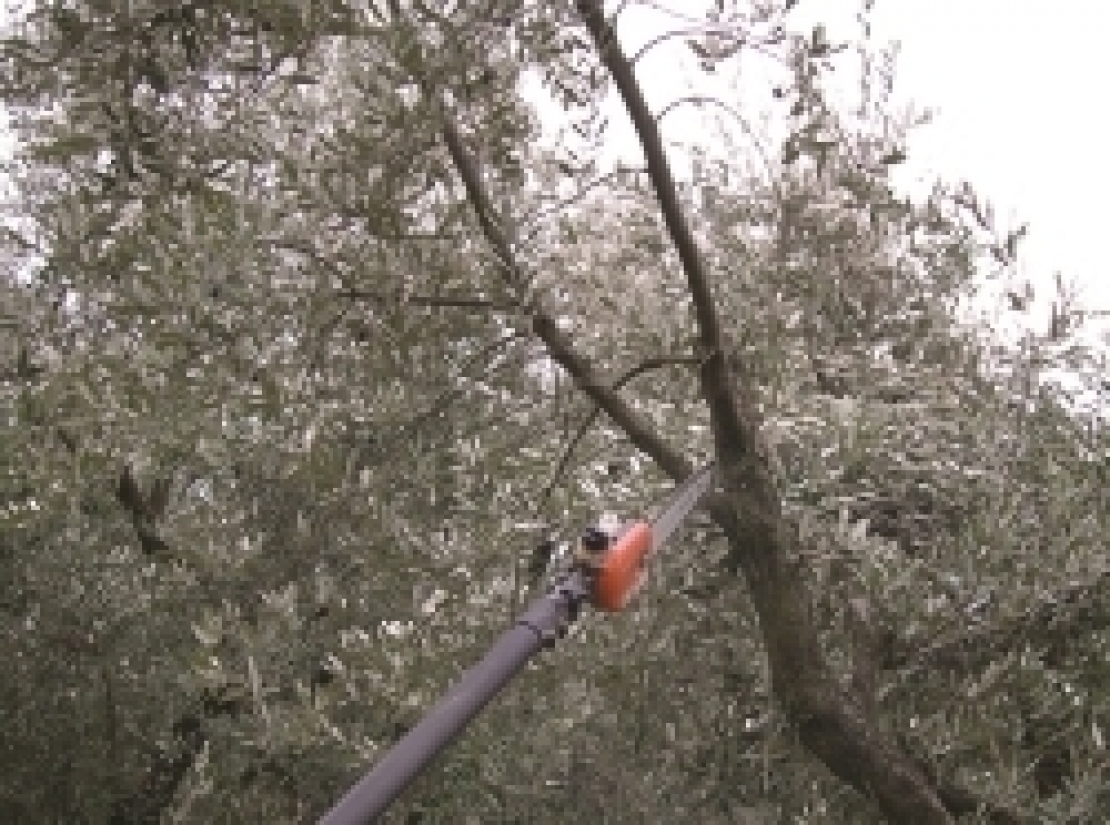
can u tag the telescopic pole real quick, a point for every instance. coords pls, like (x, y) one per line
(540, 625)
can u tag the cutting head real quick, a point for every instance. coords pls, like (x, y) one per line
(621, 565)
(666, 517)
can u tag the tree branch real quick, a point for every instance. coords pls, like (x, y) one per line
(644, 366)
(145, 510)
(829, 719)
(732, 437)
(831, 722)
(639, 431)
(559, 345)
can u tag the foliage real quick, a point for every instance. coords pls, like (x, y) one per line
(278, 424)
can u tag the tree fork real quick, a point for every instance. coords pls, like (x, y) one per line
(830, 721)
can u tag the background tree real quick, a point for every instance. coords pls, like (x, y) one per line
(305, 323)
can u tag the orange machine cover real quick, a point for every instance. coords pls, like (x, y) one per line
(623, 569)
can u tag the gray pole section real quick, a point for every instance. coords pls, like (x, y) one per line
(540, 625)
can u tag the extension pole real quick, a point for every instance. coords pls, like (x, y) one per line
(539, 626)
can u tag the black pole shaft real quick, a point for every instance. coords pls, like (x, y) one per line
(543, 620)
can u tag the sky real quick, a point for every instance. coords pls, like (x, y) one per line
(1017, 108)
(1019, 115)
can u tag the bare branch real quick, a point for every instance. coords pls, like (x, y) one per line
(586, 378)
(730, 435)
(644, 366)
(701, 100)
(739, 39)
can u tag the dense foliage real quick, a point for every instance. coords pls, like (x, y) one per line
(283, 417)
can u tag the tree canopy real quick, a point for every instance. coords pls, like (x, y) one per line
(312, 332)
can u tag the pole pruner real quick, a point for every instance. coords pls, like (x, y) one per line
(618, 563)
(606, 571)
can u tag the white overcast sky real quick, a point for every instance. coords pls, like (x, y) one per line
(1021, 114)
(1018, 112)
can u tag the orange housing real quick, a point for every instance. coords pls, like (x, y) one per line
(624, 568)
